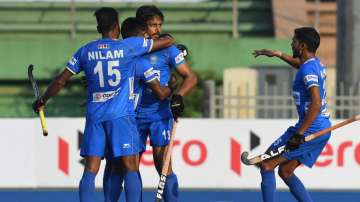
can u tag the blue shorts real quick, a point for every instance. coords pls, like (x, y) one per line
(158, 131)
(115, 138)
(308, 152)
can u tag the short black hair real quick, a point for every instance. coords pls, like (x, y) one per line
(107, 18)
(147, 12)
(309, 36)
(132, 27)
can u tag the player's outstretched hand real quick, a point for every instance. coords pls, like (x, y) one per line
(267, 52)
(295, 141)
(183, 49)
(177, 106)
(38, 105)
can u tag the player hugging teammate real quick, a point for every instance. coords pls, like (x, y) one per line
(114, 69)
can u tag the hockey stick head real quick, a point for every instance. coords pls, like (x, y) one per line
(244, 158)
(37, 97)
(33, 82)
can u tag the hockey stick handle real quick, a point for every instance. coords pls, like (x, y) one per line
(43, 123)
(338, 125)
(166, 163)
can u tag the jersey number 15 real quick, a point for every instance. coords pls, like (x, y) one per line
(111, 70)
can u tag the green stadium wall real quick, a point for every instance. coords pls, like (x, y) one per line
(39, 34)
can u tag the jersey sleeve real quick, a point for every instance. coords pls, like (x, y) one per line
(145, 70)
(139, 45)
(310, 76)
(74, 64)
(176, 56)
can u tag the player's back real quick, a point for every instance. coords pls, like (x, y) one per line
(106, 64)
(163, 61)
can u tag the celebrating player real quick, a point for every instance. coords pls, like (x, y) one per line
(110, 121)
(155, 117)
(310, 99)
(144, 74)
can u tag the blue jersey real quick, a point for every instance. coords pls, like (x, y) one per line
(144, 73)
(150, 107)
(109, 73)
(311, 73)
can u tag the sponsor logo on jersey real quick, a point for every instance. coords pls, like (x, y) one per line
(104, 96)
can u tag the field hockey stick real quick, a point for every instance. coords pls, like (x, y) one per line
(166, 163)
(37, 96)
(280, 150)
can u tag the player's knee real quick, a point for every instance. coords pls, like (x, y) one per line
(130, 164)
(117, 169)
(92, 165)
(265, 166)
(92, 168)
(129, 167)
(284, 172)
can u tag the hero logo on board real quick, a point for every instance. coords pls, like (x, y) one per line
(186, 147)
(63, 153)
(335, 154)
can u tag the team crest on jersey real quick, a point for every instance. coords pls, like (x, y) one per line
(153, 59)
(103, 46)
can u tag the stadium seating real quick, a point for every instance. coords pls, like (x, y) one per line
(213, 16)
(47, 33)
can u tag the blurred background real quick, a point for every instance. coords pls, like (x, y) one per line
(238, 102)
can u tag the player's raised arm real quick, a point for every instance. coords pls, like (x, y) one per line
(163, 42)
(294, 62)
(133, 31)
